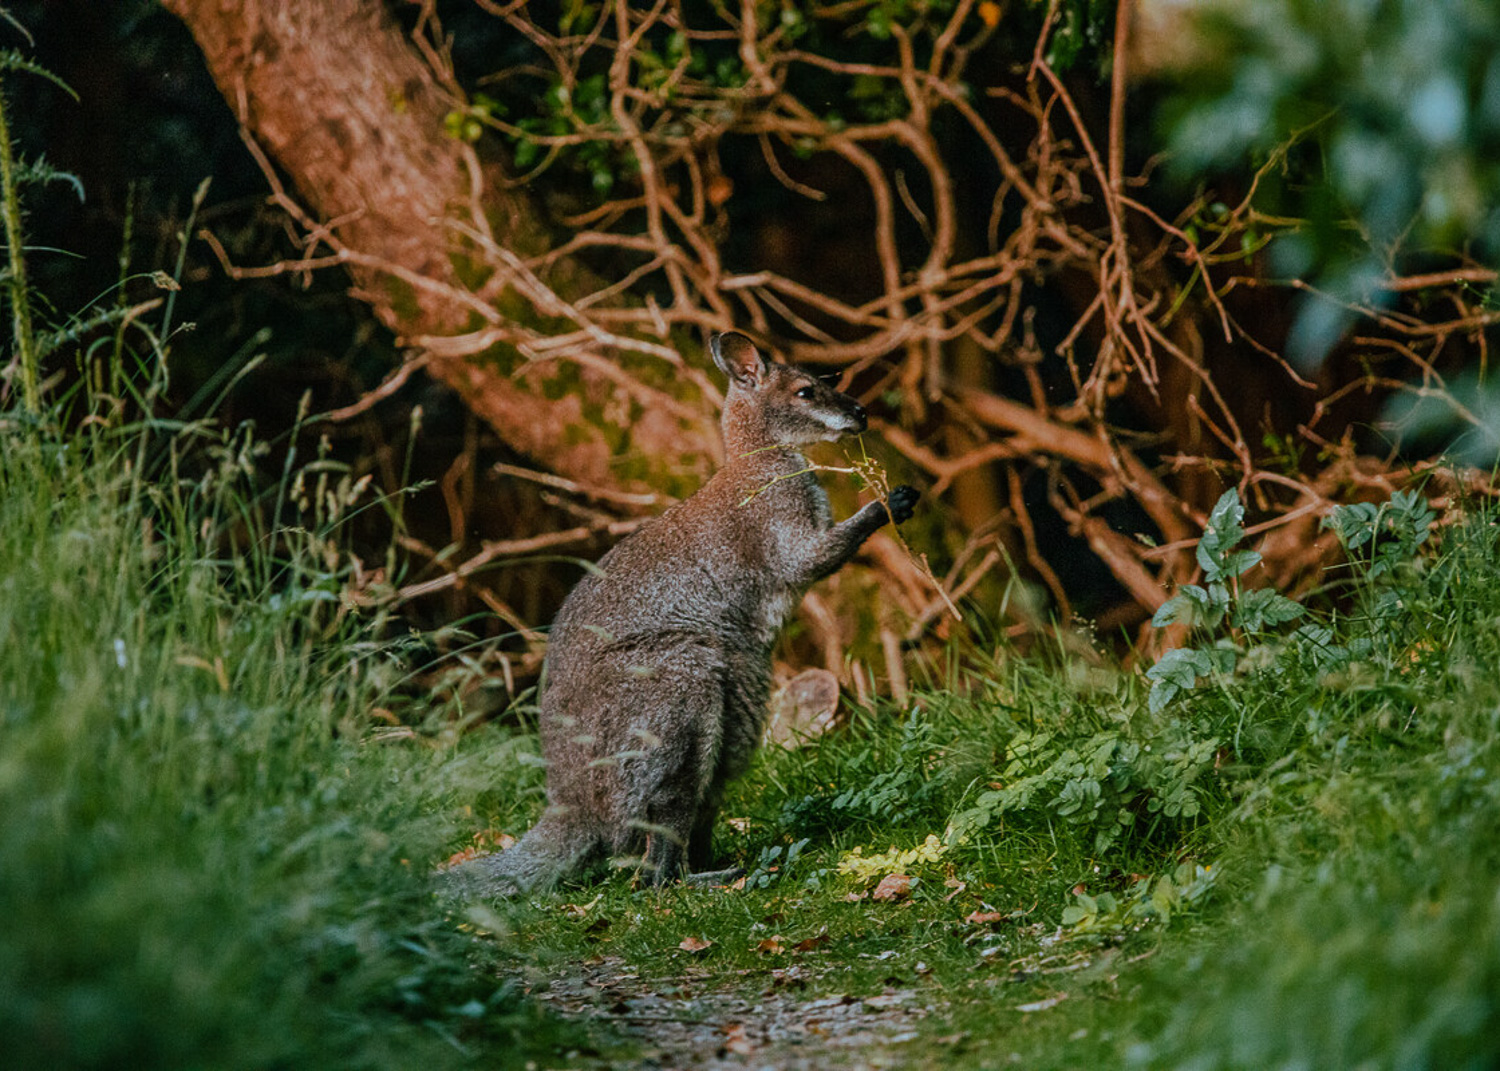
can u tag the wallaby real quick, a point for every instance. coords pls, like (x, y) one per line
(658, 668)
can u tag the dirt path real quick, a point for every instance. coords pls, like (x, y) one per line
(686, 1024)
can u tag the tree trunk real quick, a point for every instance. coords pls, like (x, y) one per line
(340, 99)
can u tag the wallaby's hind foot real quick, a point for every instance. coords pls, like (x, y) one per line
(551, 849)
(651, 878)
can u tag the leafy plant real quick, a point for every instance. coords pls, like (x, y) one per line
(1148, 900)
(1220, 601)
(1103, 781)
(774, 863)
(893, 784)
(1391, 534)
(867, 869)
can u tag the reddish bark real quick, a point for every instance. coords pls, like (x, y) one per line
(339, 98)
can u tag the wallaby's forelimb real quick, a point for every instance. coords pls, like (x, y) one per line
(844, 539)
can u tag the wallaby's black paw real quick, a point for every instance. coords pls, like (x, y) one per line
(903, 503)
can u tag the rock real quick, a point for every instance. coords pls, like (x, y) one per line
(803, 709)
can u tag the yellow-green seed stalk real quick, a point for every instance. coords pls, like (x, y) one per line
(20, 306)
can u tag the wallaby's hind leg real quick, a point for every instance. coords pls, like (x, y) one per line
(554, 848)
(676, 713)
(700, 854)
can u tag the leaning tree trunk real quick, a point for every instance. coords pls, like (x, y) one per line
(340, 100)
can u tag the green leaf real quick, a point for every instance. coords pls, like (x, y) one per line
(1223, 531)
(1262, 608)
(11, 60)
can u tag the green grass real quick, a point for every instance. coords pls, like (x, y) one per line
(213, 856)
(206, 858)
(1328, 814)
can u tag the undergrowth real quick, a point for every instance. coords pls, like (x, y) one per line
(208, 857)
(1279, 847)
(1280, 854)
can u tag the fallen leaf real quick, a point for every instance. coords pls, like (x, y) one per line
(771, 945)
(736, 1041)
(694, 944)
(893, 887)
(984, 918)
(579, 911)
(957, 887)
(484, 841)
(811, 943)
(1042, 1005)
(856, 897)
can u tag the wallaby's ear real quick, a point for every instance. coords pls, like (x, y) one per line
(738, 358)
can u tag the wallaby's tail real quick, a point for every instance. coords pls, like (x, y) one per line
(550, 850)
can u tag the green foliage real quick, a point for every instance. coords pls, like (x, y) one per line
(1395, 111)
(207, 861)
(208, 858)
(1102, 782)
(1146, 902)
(868, 869)
(894, 780)
(687, 77)
(1391, 533)
(775, 862)
(1249, 612)
(1342, 784)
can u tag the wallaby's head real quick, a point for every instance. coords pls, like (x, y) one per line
(776, 404)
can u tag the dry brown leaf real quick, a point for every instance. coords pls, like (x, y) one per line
(772, 945)
(984, 918)
(736, 1041)
(810, 943)
(694, 944)
(893, 887)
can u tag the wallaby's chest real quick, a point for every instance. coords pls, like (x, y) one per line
(721, 563)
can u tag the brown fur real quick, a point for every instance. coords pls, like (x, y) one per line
(658, 667)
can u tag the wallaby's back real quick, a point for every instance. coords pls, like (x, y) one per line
(658, 665)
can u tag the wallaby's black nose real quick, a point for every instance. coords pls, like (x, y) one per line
(861, 416)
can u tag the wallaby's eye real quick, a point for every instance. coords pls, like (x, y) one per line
(806, 392)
